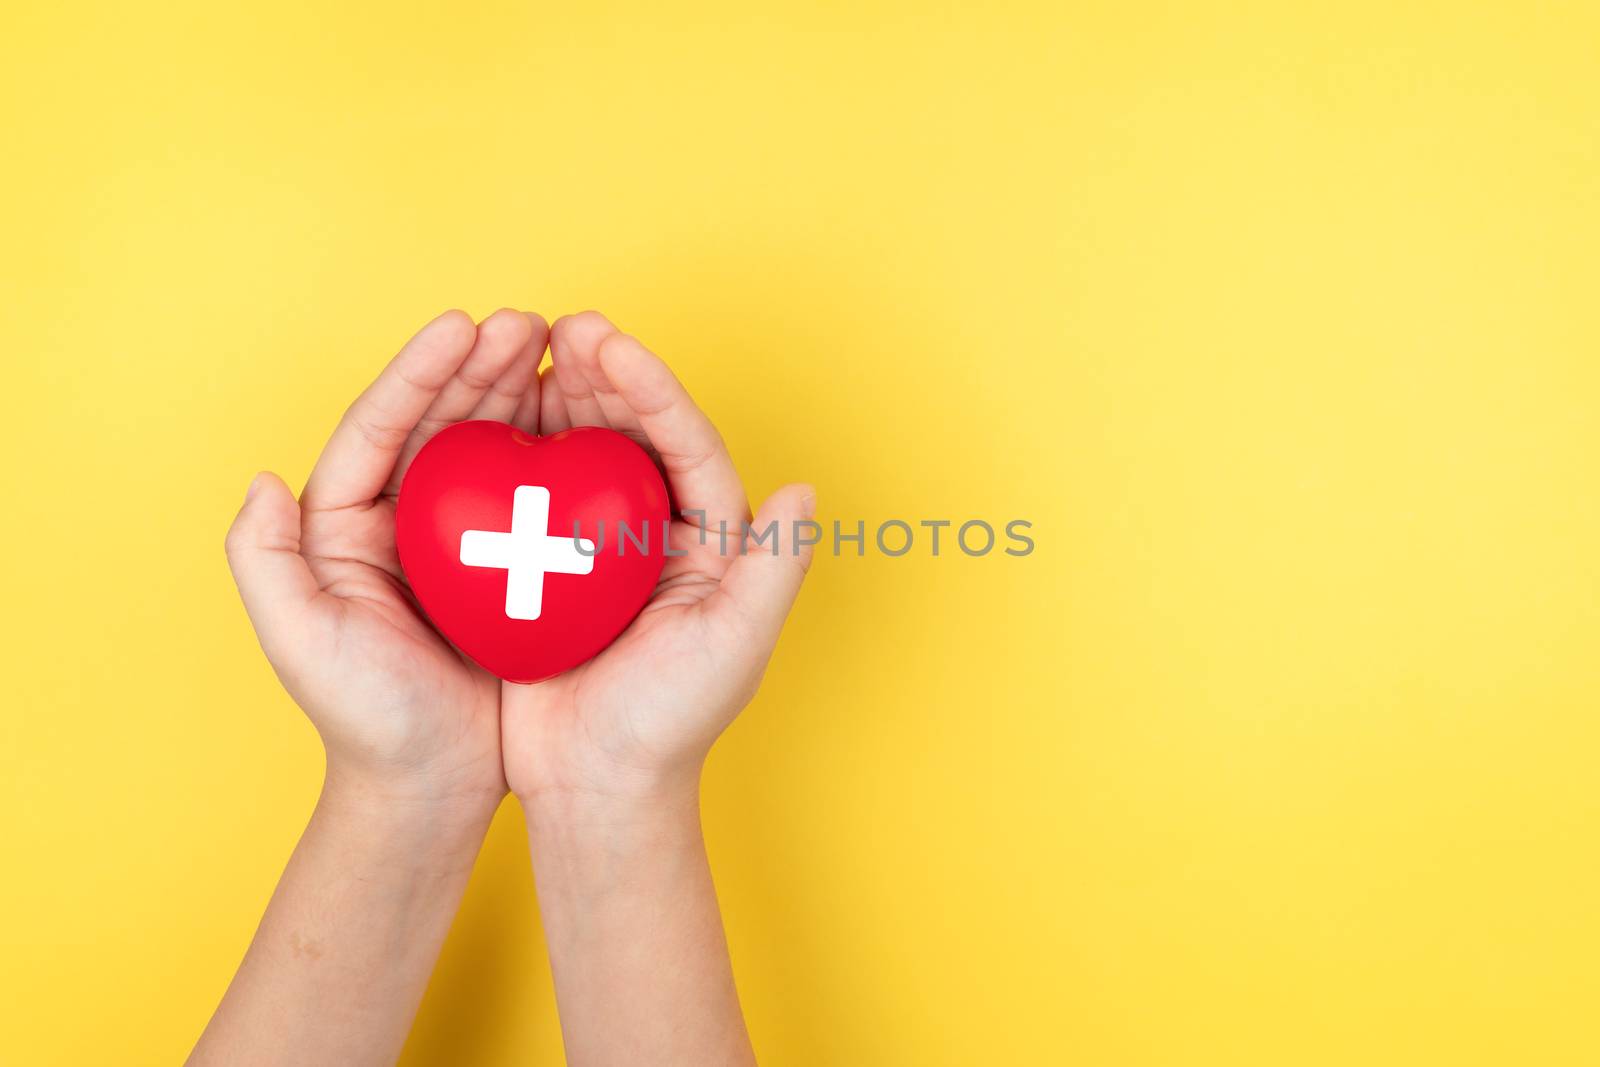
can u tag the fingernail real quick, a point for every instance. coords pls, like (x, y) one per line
(808, 505)
(255, 483)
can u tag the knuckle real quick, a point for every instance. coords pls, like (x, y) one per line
(379, 435)
(476, 379)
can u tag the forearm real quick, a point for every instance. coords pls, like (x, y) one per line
(636, 944)
(343, 953)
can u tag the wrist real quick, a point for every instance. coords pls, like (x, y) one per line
(570, 806)
(628, 795)
(431, 824)
(615, 820)
(463, 782)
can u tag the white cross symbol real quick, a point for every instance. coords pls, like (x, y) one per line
(528, 552)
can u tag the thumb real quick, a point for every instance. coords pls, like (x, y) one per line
(763, 582)
(263, 546)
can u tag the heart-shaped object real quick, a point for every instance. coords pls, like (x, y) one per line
(531, 554)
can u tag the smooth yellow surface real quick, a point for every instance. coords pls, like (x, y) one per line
(1279, 321)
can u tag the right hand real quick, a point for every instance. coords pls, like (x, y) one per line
(399, 710)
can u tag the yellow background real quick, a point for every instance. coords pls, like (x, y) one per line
(1279, 323)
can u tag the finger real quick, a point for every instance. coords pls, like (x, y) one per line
(553, 416)
(274, 581)
(526, 417)
(760, 588)
(522, 380)
(359, 457)
(501, 338)
(579, 338)
(571, 336)
(499, 402)
(699, 469)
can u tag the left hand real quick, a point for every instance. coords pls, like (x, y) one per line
(637, 721)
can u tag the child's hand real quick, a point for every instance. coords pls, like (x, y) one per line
(421, 743)
(640, 717)
(400, 711)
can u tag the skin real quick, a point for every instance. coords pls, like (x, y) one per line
(422, 745)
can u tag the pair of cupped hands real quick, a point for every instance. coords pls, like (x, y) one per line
(405, 716)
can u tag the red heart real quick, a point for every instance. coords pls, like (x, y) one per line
(521, 605)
